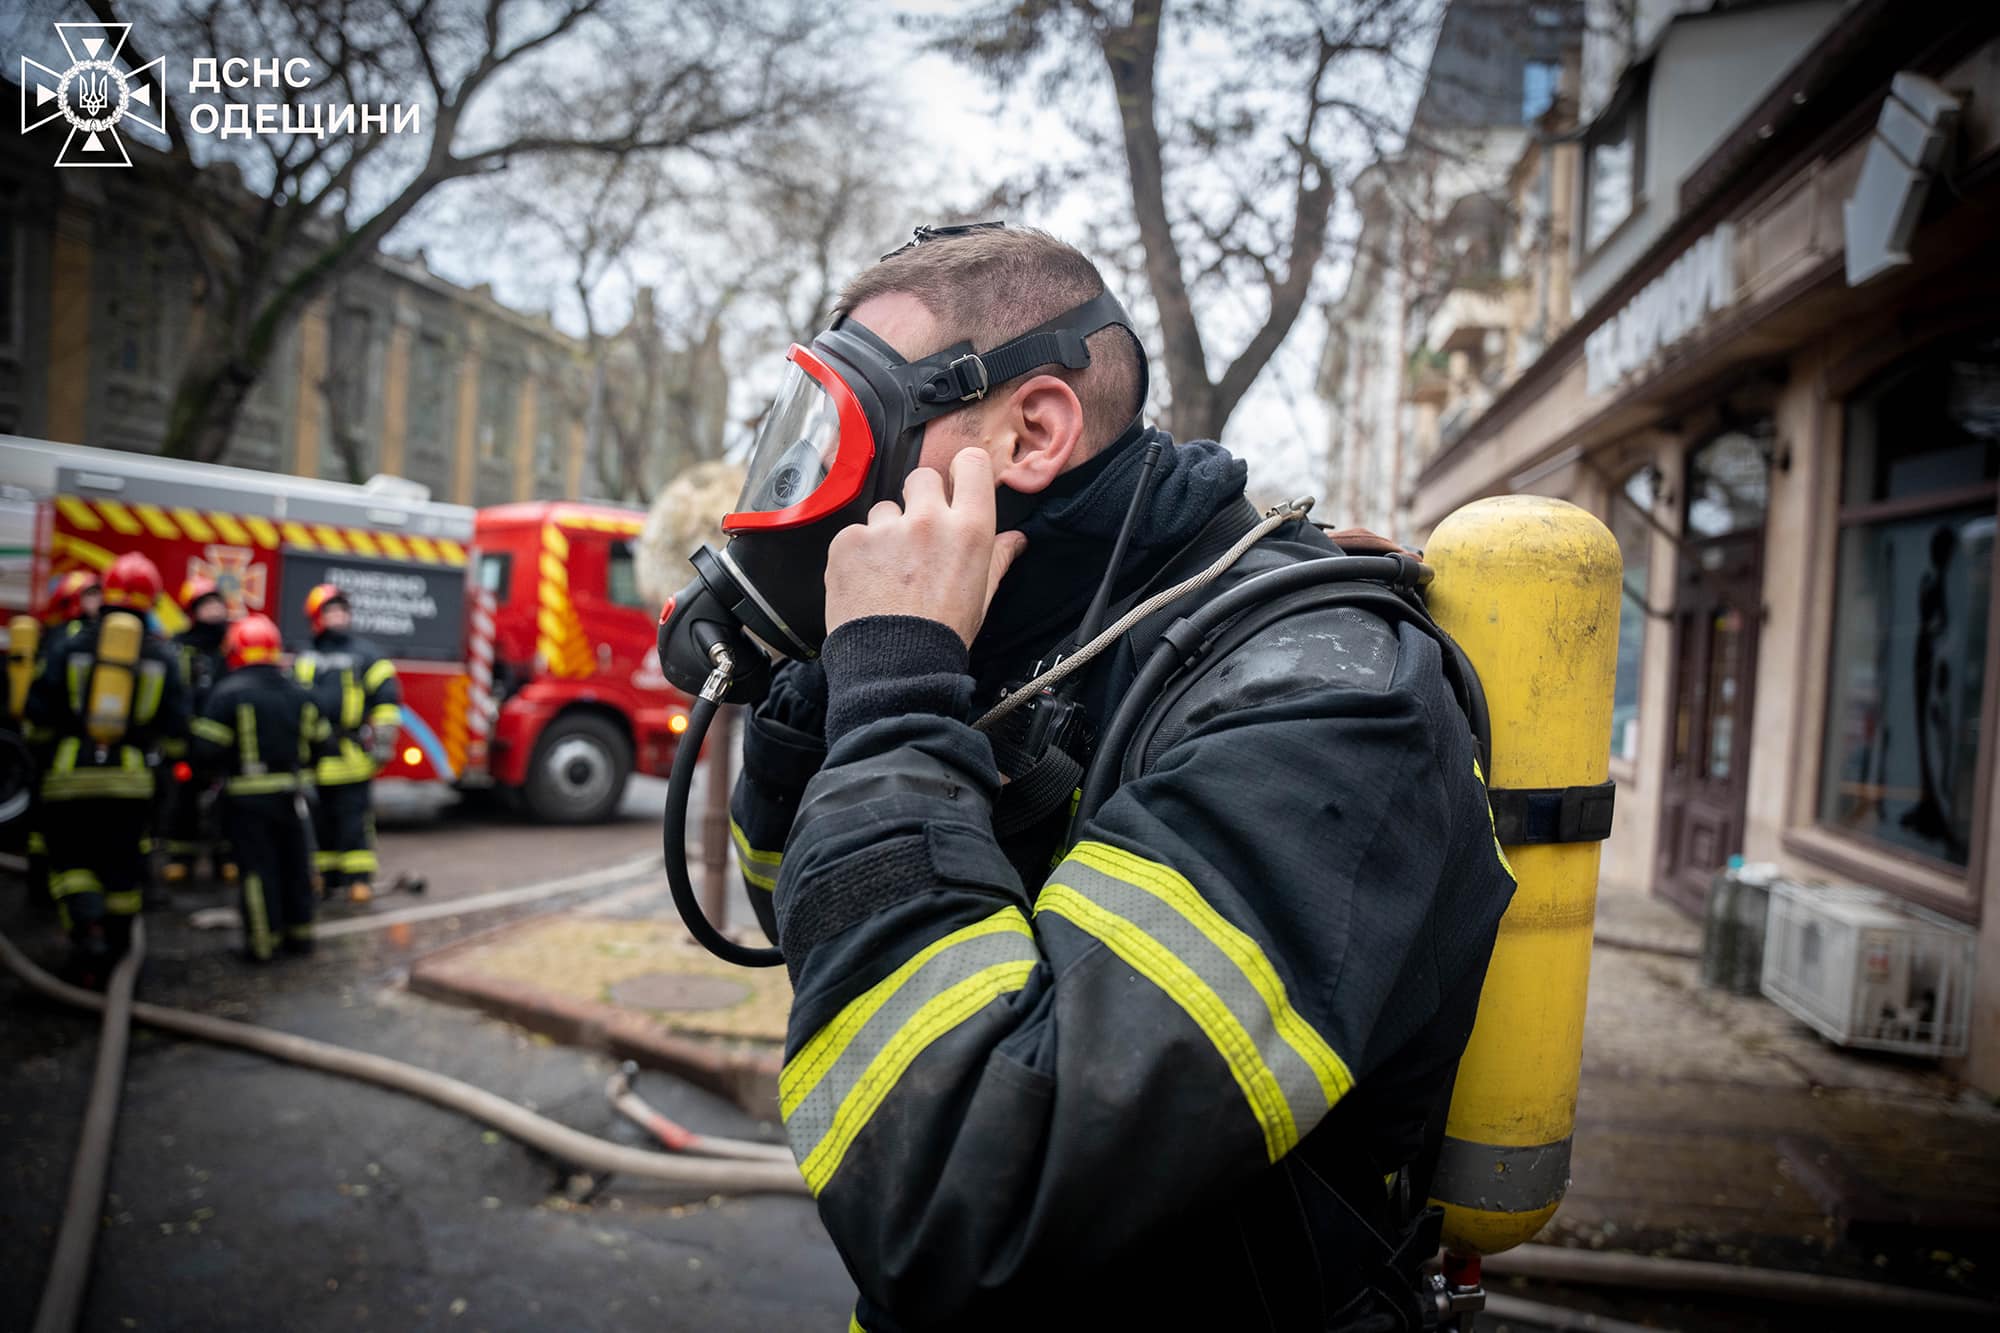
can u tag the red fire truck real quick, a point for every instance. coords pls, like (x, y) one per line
(525, 651)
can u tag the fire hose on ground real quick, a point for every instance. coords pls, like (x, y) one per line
(762, 1173)
(716, 1165)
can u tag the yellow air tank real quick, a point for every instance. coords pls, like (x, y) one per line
(1529, 587)
(107, 708)
(24, 635)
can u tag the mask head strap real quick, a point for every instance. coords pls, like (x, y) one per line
(958, 375)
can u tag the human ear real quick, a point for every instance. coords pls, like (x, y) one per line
(1042, 435)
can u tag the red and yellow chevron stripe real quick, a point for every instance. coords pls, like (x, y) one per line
(559, 637)
(115, 518)
(588, 520)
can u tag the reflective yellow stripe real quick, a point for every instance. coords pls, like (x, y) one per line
(194, 525)
(380, 670)
(259, 921)
(119, 517)
(938, 1016)
(392, 546)
(804, 1070)
(230, 530)
(124, 902)
(361, 542)
(424, 550)
(65, 756)
(453, 553)
(854, 1324)
(246, 736)
(1161, 926)
(210, 730)
(1494, 828)
(749, 860)
(359, 861)
(157, 522)
(86, 783)
(351, 701)
(297, 535)
(329, 538)
(78, 513)
(309, 731)
(385, 715)
(263, 530)
(303, 669)
(261, 784)
(69, 883)
(326, 860)
(152, 684)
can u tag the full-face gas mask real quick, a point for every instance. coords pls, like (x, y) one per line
(844, 432)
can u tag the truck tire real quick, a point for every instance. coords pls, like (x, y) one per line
(579, 771)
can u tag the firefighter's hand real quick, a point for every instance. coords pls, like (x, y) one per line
(934, 557)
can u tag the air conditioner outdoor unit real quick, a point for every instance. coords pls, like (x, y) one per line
(1866, 970)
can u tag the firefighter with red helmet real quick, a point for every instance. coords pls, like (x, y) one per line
(199, 651)
(356, 689)
(73, 600)
(263, 732)
(107, 699)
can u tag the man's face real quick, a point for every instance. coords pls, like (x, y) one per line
(334, 617)
(211, 611)
(92, 601)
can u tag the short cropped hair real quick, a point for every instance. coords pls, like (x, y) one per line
(987, 286)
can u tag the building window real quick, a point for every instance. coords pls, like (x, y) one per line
(1631, 509)
(1614, 159)
(499, 387)
(1914, 592)
(1538, 88)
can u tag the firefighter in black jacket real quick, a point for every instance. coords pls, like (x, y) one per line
(73, 603)
(357, 692)
(108, 698)
(1165, 1070)
(262, 730)
(199, 650)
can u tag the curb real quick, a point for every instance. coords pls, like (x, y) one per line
(746, 1077)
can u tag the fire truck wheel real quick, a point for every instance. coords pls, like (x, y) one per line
(579, 771)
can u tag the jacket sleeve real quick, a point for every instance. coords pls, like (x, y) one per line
(993, 1087)
(384, 694)
(213, 732)
(783, 746)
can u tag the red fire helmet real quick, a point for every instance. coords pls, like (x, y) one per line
(133, 583)
(251, 640)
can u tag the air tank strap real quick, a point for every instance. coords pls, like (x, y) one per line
(1523, 815)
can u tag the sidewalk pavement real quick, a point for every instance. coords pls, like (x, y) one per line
(1709, 1126)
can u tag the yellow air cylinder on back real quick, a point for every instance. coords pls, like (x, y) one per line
(24, 635)
(1529, 587)
(107, 706)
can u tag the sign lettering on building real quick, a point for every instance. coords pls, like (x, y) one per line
(1698, 284)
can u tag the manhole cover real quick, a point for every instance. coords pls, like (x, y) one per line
(680, 990)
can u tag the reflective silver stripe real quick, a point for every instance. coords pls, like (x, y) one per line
(1159, 925)
(1498, 1178)
(831, 1087)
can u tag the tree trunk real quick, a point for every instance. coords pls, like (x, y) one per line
(207, 401)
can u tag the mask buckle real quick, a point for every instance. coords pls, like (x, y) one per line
(984, 384)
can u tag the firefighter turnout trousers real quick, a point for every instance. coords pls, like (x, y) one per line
(344, 829)
(268, 832)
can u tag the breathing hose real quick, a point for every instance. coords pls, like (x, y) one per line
(673, 824)
(559, 1141)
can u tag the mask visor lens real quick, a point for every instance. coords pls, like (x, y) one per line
(811, 454)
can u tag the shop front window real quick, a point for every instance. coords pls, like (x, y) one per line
(1915, 589)
(1629, 511)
